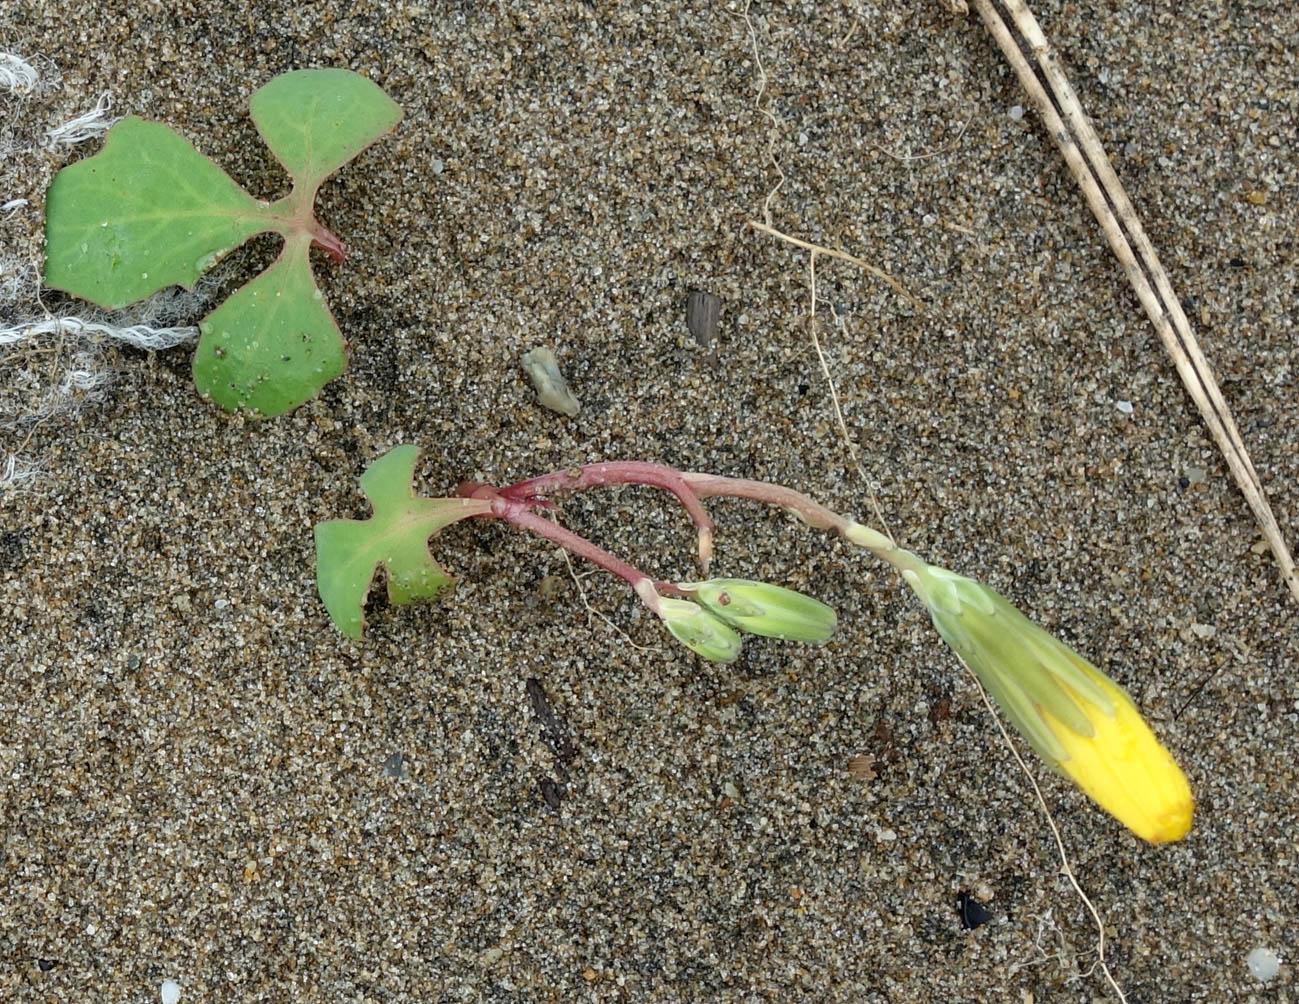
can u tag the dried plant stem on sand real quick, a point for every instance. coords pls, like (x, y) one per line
(1020, 38)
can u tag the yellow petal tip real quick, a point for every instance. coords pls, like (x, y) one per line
(1171, 825)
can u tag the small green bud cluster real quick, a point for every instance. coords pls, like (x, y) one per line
(710, 623)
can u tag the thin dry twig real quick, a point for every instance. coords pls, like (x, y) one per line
(834, 393)
(957, 6)
(816, 249)
(1065, 866)
(843, 256)
(591, 611)
(765, 110)
(909, 157)
(1042, 76)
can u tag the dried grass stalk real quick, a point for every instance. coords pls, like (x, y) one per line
(1020, 38)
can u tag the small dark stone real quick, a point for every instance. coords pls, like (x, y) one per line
(973, 913)
(45, 965)
(13, 552)
(552, 791)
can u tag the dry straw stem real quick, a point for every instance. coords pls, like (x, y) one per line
(1040, 73)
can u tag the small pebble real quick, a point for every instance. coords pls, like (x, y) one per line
(395, 766)
(552, 389)
(1017, 112)
(1263, 964)
(170, 992)
(1124, 406)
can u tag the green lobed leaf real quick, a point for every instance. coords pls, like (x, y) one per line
(147, 212)
(315, 121)
(150, 211)
(349, 551)
(273, 344)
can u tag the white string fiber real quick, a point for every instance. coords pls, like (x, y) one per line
(141, 336)
(14, 475)
(88, 125)
(16, 74)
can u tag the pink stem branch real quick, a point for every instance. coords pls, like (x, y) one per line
(325, 239)
(515, 503)
(518, 513)
(622, 472)
(812, 513)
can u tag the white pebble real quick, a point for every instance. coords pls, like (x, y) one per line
(1263, 964)
(1124, 406)
(170, 992)
(1017, 112)
(552, 389)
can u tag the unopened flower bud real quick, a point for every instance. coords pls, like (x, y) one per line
(761, 608)
(1077, 719)
(698, 630)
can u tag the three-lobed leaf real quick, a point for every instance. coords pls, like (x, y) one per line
(349, 551)
(150, 211)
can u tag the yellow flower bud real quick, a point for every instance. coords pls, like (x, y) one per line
(1077, 719)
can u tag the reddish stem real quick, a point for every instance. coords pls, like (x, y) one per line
(323, 238)
(622, 472)
(295, 214)
(518, 513)
(516, 502)
(691, 487)
(812, 513)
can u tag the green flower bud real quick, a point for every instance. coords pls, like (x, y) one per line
(761, 608)
(699, 631)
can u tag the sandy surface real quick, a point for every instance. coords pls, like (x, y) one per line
(197, 771)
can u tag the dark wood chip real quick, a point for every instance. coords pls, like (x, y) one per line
(703, 316)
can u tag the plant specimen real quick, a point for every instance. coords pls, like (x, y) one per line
(1078, 721)
(150, 211)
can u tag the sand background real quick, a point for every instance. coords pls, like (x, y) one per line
(197, 771)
